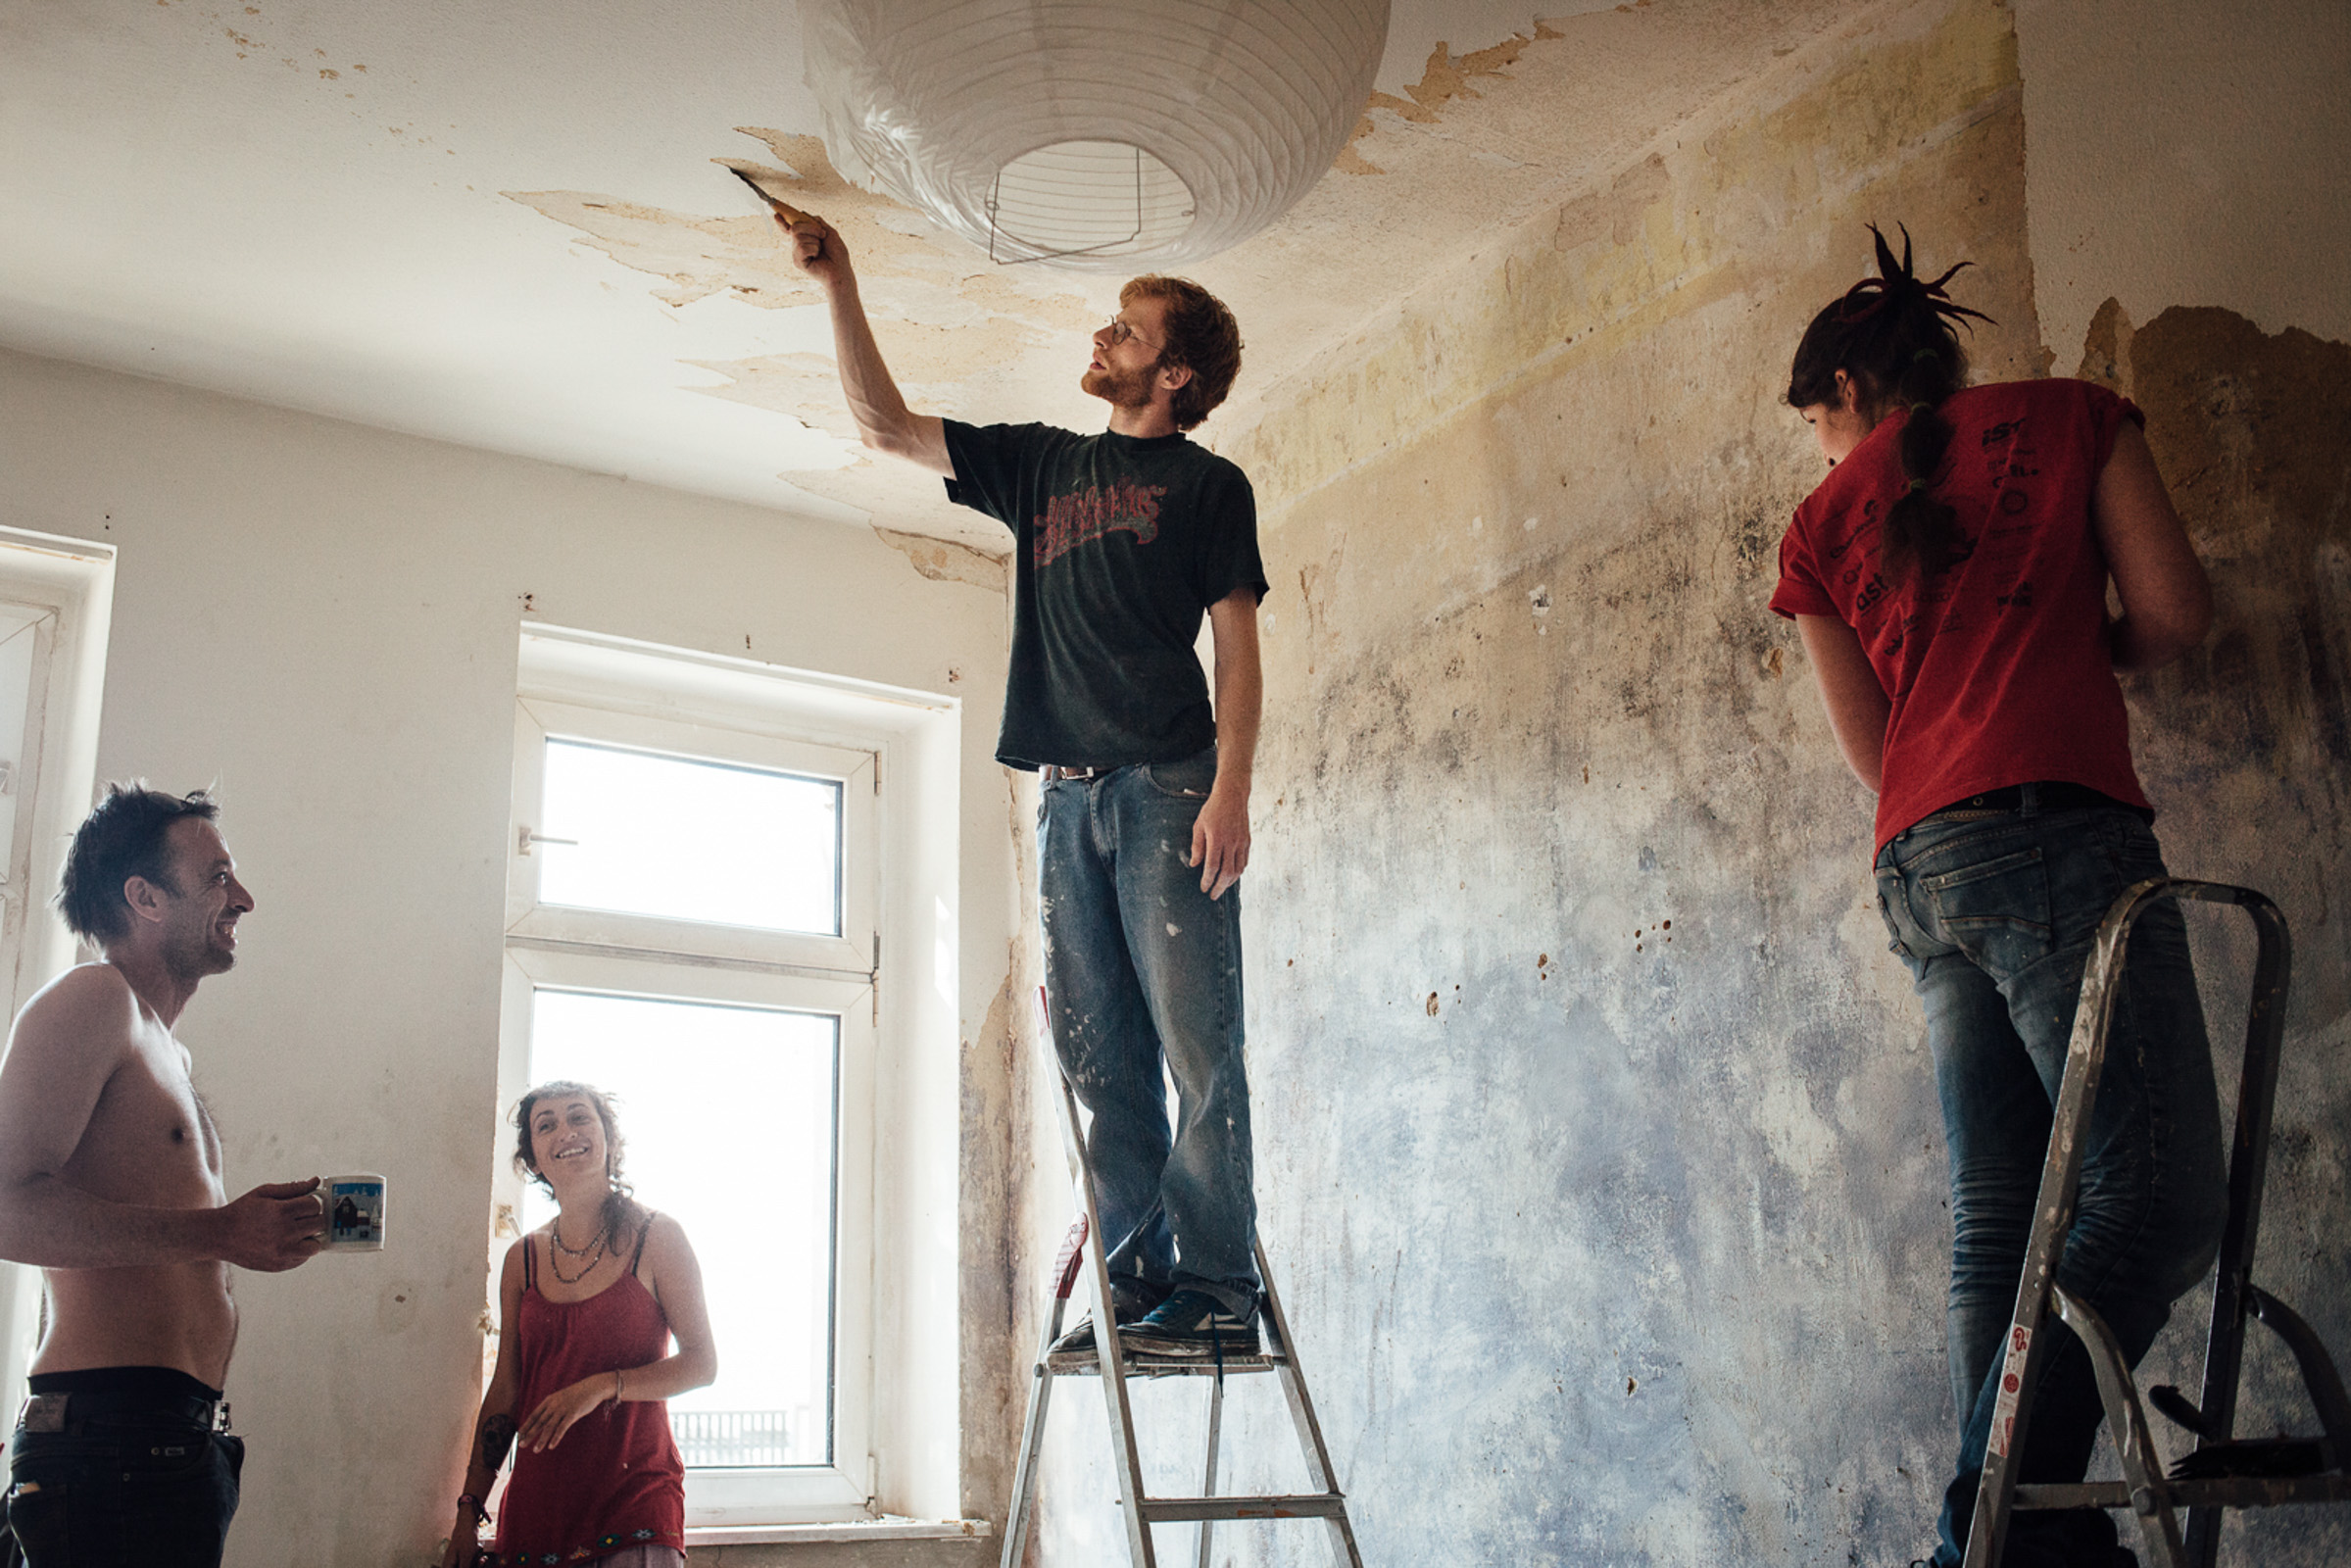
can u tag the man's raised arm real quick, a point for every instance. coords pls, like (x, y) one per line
(884, 420)
(68, 1043)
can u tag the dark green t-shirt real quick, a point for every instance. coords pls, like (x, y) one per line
(1120, 544)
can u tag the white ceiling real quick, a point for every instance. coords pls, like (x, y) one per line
(308, 202)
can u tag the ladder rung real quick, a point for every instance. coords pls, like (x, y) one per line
(1086, 1364)
(1301, 1506)
(2232, 1491)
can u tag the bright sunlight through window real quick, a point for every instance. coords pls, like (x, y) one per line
(728, 1117)
(684, 839)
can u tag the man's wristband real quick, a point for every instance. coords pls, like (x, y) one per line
(468, 1501)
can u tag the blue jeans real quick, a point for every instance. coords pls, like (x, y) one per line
(124, 1483)
(1144, 968)
(1995, 918)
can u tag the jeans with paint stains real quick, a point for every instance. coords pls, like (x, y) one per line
(1144, 968)
(1996, 915)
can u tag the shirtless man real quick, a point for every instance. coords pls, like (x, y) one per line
(110, 1183)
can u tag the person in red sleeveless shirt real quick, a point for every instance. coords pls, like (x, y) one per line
(590, 1304)
(1949, 577)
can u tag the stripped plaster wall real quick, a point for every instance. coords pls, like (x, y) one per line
(1597, 1150)
(2188, 155)
(323, 619)
(2187, 172)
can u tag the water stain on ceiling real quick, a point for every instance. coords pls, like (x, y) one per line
(339, 189)
(955, 329)
(1481, 141)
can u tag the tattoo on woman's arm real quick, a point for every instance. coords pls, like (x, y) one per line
(496, 1437)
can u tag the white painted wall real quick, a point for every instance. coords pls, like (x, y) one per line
(322, 619)
(2187, 154)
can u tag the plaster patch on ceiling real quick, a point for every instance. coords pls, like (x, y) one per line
(909, 499)
(807, 389)
(1487, 140)
(945, 560)
(698, 257)
(956, 329)
(744, 256)
(243, 25)
(800, 386)
(1446, 78)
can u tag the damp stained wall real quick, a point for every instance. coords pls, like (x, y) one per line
(1597, 1151)
(2188, 155)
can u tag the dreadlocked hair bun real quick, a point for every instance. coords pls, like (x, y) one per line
(1892, 335)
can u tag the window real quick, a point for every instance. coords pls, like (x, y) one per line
(696, 924)
(56, 601)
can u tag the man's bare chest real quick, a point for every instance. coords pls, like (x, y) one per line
(150, 1138)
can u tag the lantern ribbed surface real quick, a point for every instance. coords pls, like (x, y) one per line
(1092, 135)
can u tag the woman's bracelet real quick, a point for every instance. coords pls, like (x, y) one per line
(616, 1385)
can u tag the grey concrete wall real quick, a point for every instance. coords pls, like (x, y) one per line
(1598, 1144)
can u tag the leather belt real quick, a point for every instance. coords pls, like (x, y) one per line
(51, 1412)
(2049, 797)
(1054, 774)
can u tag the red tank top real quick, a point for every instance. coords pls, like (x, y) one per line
(615, 1480)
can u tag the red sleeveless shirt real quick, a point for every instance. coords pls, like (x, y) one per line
(615, 1480)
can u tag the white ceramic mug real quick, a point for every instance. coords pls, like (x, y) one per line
(354, 1212)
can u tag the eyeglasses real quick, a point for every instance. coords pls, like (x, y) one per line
(1120, 332)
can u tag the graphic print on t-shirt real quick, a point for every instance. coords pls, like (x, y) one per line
(1085, 515)
(2007, 537)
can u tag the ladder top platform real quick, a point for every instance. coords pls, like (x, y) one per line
(1084, 1363)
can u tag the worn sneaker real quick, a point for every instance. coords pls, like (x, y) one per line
(1130, 1305)
(1191, 1323)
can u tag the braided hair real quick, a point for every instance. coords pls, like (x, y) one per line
(1892, 335)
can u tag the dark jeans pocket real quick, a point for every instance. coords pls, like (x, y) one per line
(1889, 892)
(36, 1519)
(1995, 912)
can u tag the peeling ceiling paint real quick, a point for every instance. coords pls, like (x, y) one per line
(512, 226)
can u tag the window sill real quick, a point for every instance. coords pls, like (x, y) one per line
(887, 1528)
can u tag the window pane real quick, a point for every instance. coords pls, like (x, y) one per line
(728, 1116)
(690, 840)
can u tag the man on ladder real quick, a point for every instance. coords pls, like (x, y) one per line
(1122, 540)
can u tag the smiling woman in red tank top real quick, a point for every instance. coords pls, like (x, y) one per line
(590, 1304)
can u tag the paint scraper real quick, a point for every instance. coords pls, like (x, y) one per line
(790, 214)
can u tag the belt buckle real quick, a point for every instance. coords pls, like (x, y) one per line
(220, 1420)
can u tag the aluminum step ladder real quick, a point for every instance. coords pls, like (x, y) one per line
(1276, 1356)
(2221, 1472)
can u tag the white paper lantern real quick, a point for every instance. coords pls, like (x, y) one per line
(1098, 135)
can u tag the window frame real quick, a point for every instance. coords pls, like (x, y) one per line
(780, 1494)
(55, 778)
(539, 719)
(889, 957)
